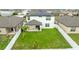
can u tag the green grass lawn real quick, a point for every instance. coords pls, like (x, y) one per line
(75, 37)
(45, 39)
(4, 40)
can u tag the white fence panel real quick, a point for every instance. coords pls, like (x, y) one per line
(67, 37)
(10, 45)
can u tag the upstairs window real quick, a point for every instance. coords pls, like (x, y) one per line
(48, 18)
(40, 16)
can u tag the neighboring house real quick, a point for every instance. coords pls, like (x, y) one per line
(6, 12)
(69, 12)
(38, 19)
(10, 24)
(21, 12)
(70, 24)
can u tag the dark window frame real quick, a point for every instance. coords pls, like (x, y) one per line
(48, 18)
(47, 25)
(73, 29)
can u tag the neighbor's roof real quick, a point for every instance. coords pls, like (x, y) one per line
(6, 9)
(39, 12)
(34, 22)
(69, 20)
(10, 21)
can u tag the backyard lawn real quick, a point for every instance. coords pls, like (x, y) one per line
(4, 40)
(75, 37)
(45, 39)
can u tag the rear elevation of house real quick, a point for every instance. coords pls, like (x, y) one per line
(70, 24)
(38, 19)
(10, 24)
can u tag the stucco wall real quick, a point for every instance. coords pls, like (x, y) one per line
(43, 20)
(3, 31)
(67, 29)
(31, 27)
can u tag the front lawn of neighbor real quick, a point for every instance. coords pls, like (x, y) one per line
(45, 39)
(75, 37)
(4, 40)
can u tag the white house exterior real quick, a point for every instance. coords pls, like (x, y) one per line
(44, 17)
(44, 21)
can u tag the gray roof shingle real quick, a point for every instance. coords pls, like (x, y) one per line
(10, 21)
(69, 21)
(33, 22)
(39, 12)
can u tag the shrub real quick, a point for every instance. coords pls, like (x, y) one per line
(24, 28)
(15, 13)
(24, 17)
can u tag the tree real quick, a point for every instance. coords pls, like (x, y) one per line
(24, 28)
(15, 13)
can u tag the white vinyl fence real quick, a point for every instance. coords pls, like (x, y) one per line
(67, 37)
(13, 40)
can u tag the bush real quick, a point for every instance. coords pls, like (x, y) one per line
(24, 17)
(35, 45)
(24, 28)
(15, 13)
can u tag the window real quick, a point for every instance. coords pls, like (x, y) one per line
(48, 18)
(73, 29)
(47, 25)
(40, 16)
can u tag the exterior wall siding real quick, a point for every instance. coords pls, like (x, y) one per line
(67, 29)
(32, 27)
(3, 31)
(43, 20)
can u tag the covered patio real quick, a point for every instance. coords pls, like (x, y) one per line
(10, 25)
(12, 30)
(34, 25)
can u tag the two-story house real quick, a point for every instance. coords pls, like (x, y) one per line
(38, 19)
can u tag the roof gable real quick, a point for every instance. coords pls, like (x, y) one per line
(69, 21)
(34, 22)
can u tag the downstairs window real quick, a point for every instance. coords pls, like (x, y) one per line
(73, 29)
